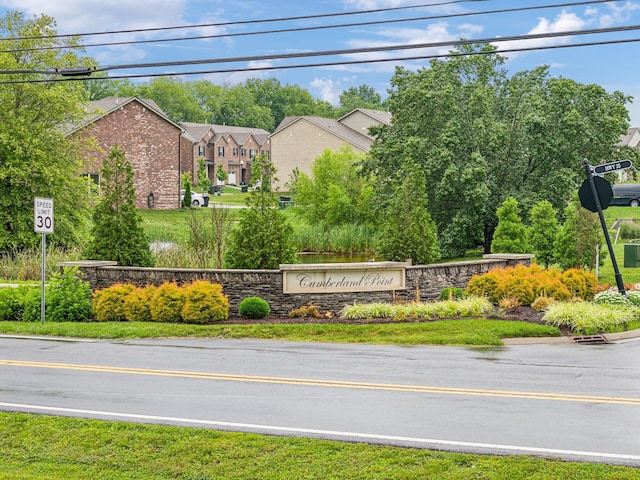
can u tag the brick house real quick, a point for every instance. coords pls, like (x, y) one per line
(297, 141)
(232, 147)
(150, 140)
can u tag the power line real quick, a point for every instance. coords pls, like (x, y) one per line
(327, 64)
(376, 49)
(302, 29)
(246, 22)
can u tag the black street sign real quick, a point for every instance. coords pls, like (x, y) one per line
(612, 167)
(605, 194)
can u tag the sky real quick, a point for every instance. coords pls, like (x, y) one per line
(246, 30)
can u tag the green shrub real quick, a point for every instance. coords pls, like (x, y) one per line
(204, 302)
(137, 304)
(12, 303)
(167, 302)
(452, 293)
(68, 297)
(108, 303)
(31, 305)
(634, 297)
(254, 307)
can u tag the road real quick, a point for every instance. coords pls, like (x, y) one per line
(578, 402)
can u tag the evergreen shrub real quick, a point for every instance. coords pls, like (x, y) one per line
(108, 303)
(204, 302)
(254, 307)
(167, 302)
(137, 304)
(528, 283)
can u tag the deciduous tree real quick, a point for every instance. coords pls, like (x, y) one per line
(36, 159)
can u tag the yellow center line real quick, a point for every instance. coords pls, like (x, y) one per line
(562, 397)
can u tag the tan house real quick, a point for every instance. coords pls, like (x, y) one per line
(150, 140)
(232, 147)
(297, 141)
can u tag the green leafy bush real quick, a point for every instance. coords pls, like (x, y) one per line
(452, 293)
(254, 307)
(204, 302)
(12, 303)
(68, 297)
(167, 302)
(137, 304)
(610, 297)
(108, 303)
(31, 305)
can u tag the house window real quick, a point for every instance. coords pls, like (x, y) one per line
(266, 152)
(252, 153)
(243, 152)
(93, 181)
(235, 151)
(221, 151)
(201, 150)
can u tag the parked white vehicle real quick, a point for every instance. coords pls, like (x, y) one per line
(197, 199)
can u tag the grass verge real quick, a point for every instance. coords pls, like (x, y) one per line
(442, 332)
(38, 446)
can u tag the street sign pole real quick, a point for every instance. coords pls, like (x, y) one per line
(43, 223)
(43, 274)
(596, 199)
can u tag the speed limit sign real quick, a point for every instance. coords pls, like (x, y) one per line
(43, 215)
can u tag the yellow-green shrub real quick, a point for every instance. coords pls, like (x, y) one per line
(167, 302)
(527, 283)
(137, 304)
(204, 302)
(108, 303)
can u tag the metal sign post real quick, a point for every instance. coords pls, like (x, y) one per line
(43, 223)
(596, 199)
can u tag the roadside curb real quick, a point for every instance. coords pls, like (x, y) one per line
(611, 338)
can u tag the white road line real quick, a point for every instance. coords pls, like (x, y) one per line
(354, 436)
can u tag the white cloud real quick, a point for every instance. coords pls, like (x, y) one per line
(235, 78)
(329, 89)
(565, 21)
(617, 14)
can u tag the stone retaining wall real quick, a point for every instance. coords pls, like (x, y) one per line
(424, 282)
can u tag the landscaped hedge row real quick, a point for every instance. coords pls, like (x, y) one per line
(197, 302)
(526, 283)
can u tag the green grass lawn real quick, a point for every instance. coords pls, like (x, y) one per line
(442, 332)
(606, 272)
(39, 447)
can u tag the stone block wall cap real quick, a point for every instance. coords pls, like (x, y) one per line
(343, 266)
(88, 263)
(508, 256)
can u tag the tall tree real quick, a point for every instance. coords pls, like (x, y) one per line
(408, 231)
(363, 96)
(174, 98)
(481, 136)
(510, 235)
(263, 237)
(36, 159)
(117, 232)
(543, 232)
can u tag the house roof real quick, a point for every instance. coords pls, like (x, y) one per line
(101, 108)
(357, 139)
(240, 134)
(378, 115)
(632, 138)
